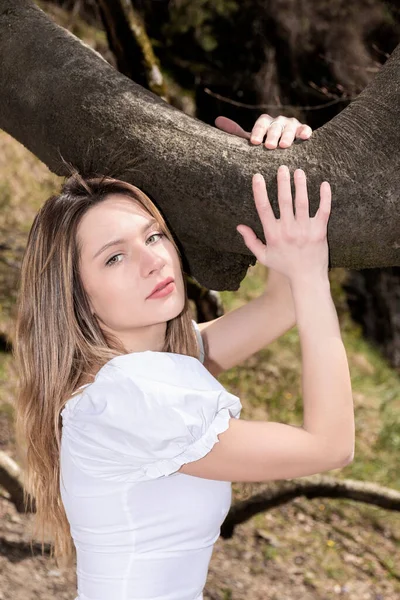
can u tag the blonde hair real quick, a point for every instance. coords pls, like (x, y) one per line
(57, 341)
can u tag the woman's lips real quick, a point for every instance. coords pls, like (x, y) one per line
(167, 289)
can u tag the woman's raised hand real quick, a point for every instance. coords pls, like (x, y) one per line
(296, 244)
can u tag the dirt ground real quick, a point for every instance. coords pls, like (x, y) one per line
(305, 550)
(274, 556)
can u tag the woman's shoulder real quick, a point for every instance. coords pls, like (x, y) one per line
(150, 365)
(167, 367)
(164, 376)
(152, 410)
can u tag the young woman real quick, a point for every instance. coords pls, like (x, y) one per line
(131, 444)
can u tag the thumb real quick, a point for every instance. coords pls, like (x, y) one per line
(254, 244)
(231, 127)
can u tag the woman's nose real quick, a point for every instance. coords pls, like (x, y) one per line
(151, 261)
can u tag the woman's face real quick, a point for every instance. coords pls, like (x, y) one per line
(118, 279)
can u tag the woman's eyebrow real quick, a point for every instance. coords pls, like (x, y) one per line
(122, 240)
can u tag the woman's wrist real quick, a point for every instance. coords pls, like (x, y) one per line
(309, 279)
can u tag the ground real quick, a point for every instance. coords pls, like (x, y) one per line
(300, 551)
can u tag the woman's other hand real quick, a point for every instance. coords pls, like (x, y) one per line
(279, 129)
(295, 243)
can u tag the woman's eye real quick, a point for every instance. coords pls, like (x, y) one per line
(160, 234)
(109, 263)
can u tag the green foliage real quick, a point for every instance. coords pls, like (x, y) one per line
(201, 18)
(7, 410)
(389, 436)
(269, 552)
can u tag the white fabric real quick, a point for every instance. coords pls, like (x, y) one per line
(199, 339)
(142, 530)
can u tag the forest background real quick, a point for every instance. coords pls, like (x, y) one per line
(306, 59)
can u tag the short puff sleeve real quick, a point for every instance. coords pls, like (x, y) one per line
(134, 429)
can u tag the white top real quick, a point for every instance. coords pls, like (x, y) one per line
(143, 531)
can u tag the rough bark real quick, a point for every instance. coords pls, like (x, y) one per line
(60, 97)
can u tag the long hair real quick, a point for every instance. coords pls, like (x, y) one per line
(57, 343)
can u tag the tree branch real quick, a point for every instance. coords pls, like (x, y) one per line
(12, 480)
(60, 97)
(317, 486)
(274, 494)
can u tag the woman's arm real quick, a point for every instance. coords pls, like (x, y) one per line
(268, 451)
(240, 333)
(234, 337)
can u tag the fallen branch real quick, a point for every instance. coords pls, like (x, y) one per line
(11, 479)
(276, 494)
(316, 486)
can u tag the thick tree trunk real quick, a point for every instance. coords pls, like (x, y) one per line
(60, 97)
(373, 298)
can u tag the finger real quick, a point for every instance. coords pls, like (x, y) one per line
(231, 127)
(263, 205)
(274, 132)
(303, 132)
(260, 128)
(301, 200)
(288, 134)
(324, 209)
(252, 241)
(285, 195)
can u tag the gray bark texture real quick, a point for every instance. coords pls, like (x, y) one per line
(61, 98)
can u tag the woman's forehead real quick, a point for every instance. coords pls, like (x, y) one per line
(115, 216)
